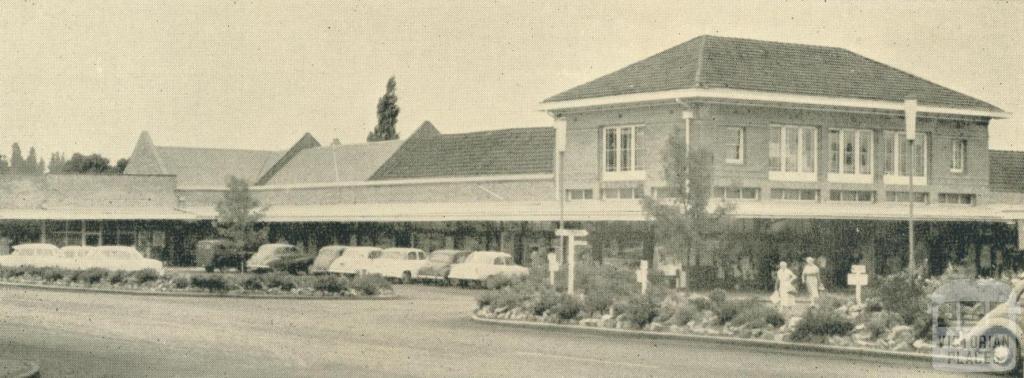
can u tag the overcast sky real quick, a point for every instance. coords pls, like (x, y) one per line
(257, 75)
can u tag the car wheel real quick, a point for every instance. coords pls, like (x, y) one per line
(1004, 347)
(406, 277)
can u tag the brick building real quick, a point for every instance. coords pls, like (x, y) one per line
(804, 139)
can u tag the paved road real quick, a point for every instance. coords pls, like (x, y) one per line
(427, 333)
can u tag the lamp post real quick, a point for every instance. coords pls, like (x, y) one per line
(910, 113)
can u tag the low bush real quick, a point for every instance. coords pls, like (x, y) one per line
(116, 276)
(755, 314)
(701, 303)
(678, 314)
(280, 281)
(543, 300)
(89, 276)
(145, 276)
(210, 282)
(252, 282)
(331, 284)
(818, 323)
(53, 274)
(639, 309)
(370, 284)
(568, 307)
(500, 281)
(727, 310)
(718, 296)
(903, 294)
(181, 282)
(879, 323)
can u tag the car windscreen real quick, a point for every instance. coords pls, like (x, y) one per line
(393, 254)
(481, 258)
(441, 257)
(114, 254)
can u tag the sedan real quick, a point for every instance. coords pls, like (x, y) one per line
(354, 260)
(482, 265)
(325, 257)
(401, 263)
(268, 254)
(440, 263)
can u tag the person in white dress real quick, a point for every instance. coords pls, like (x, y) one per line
(784, 288)
(809, 277)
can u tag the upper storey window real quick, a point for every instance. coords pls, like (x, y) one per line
(623, 153)
(793, 153)
(897, 160)
(851, 155)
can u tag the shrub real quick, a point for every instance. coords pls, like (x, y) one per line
(116, 276)
(903, 294)
(718, 296)
(701, 303)
(818, 323)
(500, 281)
(679, 315)
(879, 323)
(145, 275)
(252, 282)
(728, 310)
(640, 309)
(281, 281)
(370, 284)
(331, 284)
(210, 282)
(755, 314)
(181, 282)
(568, 307)
(542, 300)
(53, 274)
(89, 276)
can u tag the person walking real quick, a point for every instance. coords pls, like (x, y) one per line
(784, 289)
(809, 277)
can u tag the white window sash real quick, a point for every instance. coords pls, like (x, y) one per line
(801, 174)
(857, 177)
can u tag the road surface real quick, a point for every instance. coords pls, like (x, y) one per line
(426, 333)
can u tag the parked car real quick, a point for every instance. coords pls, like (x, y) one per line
(293, 263)
(116, 257)
(440, 263)
(997, 335)
(325, 257)
(34, 254)
(401, 263)
(269, 253)
(354, 260)
(481, 265)
(218, 254)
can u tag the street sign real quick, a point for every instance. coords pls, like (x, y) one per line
(553, 264)
(857, 278)
(641, 276)
(569, 232)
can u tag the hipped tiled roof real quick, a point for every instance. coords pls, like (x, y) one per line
(734, 63)
(354, 162)
(213, 166)
(498, 152)
(1006, 171)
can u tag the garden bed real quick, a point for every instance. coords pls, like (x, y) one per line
(894, 318)
(201, 284)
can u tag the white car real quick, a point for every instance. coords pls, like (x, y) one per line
(354, 260)
(404, 263)
(481, 265)
(35, 254)
(80, 257)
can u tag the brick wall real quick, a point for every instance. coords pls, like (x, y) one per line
(583, 157)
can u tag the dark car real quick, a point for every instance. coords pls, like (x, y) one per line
(440, 263)
(218, 254)
(325, 257)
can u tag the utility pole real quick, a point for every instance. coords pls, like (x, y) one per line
(910, 111)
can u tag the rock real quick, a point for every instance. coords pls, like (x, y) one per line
(780, 336)
(501, 309)
(607, 322)
(903, 347)
(656, 327)
(677, 329)
(859, 327)
(590, 322)
(627, 324)
(712, 331)
(920, 344)
(901, 334)
(839, 340)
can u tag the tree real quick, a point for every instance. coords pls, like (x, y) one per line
(17, 161)
(94, 164)
(56, 163)
(31, 166)
(4, 167)
(122, 164)
(238, 217)
(684, 224)
(387, 115)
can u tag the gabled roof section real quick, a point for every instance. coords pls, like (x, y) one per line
(307, 141)
(211, 167)
(335, 163)
(499, 152)
(712, 62)
(1006, 171)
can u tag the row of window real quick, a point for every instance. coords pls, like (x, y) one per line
(793, 152)
(784, 194)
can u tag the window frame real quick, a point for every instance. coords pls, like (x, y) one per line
(839, 152)
(895, 178)
(958, 164)
(738, 146)
(634, 171)
(782, 174)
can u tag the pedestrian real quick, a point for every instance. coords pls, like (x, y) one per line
(809, 277)
(784, 289)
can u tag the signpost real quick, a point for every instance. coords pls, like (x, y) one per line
(553, 267)
(641, 276)
(910, 109)
(858, 277)
(571, 256)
